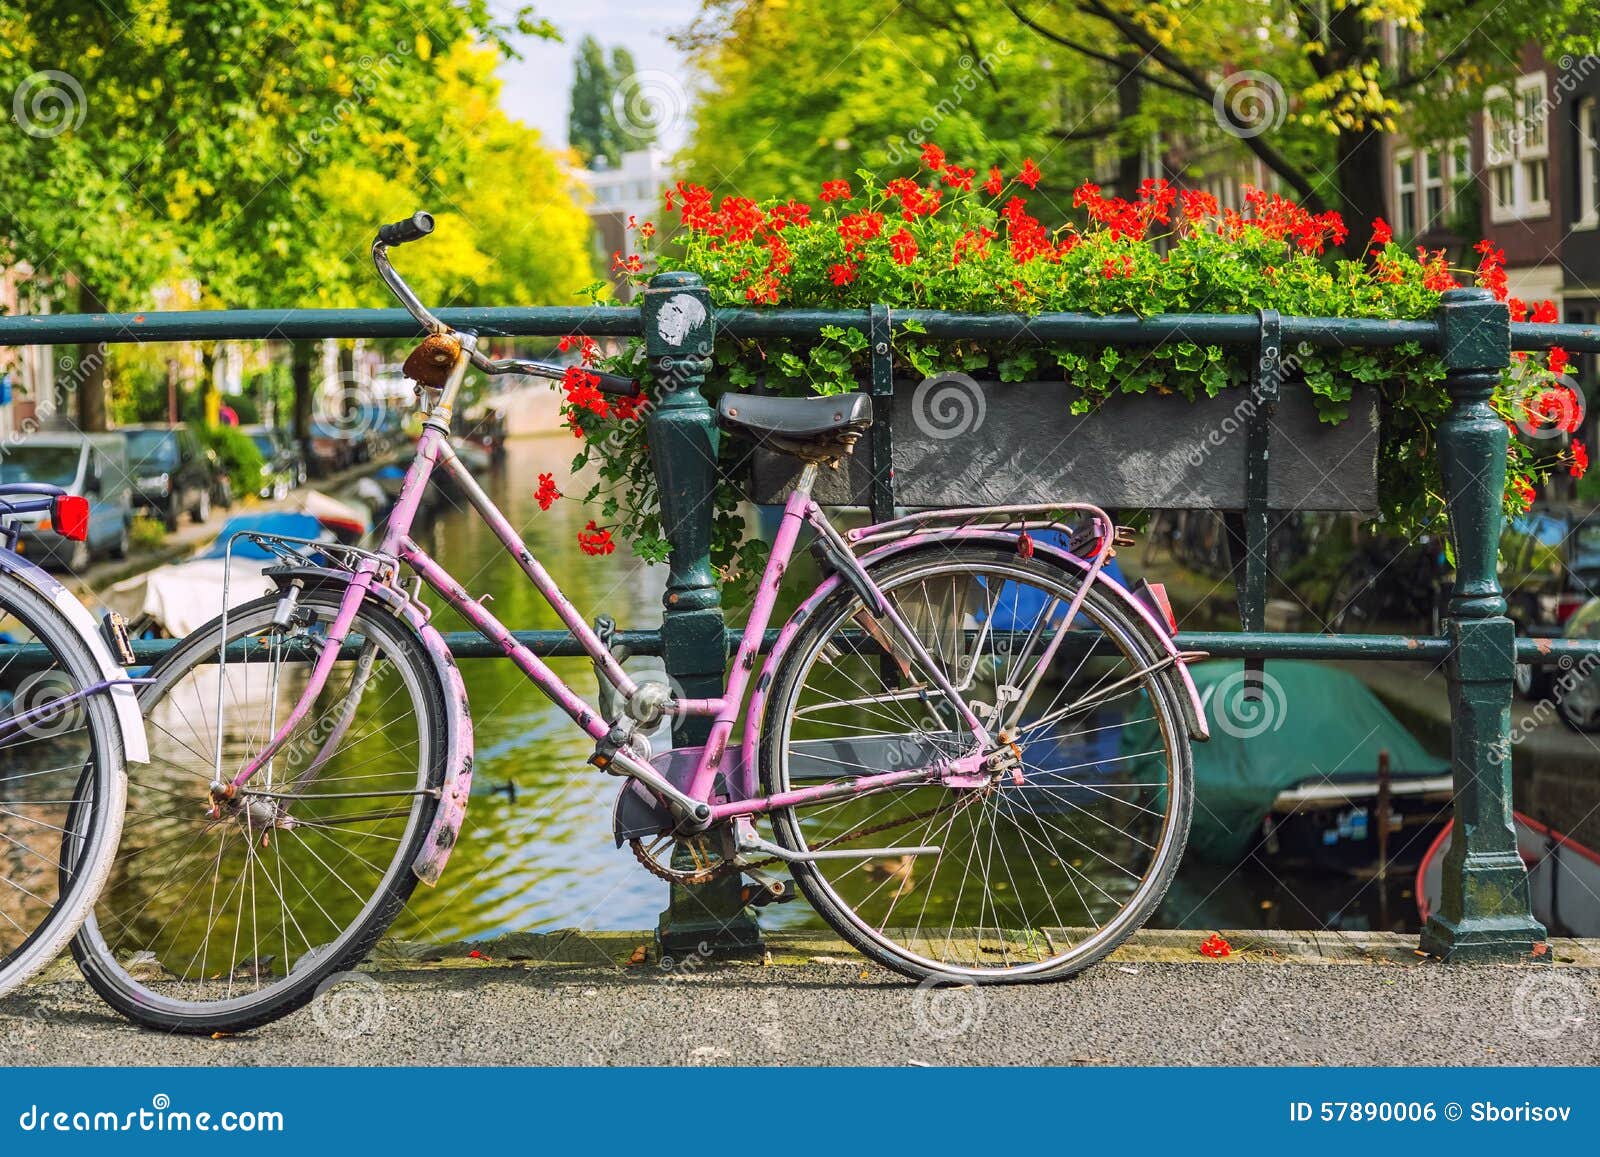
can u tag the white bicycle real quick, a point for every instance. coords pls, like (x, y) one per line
(69, 723)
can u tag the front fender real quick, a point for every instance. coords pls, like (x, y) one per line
(124, 696)
(1155, 633)
(457, 788)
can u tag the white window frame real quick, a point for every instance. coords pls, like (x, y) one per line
(1517, 140)
(1588, 167)
(1454, 163)
(1404, 188)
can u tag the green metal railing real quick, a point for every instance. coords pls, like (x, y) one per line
(1484, 913)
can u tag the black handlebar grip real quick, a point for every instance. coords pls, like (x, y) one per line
(615, 384)
(419, 224)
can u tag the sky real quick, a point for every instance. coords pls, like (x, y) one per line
(536, 86)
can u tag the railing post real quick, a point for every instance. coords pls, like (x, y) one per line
(1484, 912)
(679, 332)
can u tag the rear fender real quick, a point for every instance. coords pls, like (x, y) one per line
(124, 696)
(457, 788)
(1154, 632)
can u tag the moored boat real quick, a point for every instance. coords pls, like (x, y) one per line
(1563, 877)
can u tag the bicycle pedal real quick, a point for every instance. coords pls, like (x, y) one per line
(762, 889)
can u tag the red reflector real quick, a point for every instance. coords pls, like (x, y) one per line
(70, 514)
(1158, 592)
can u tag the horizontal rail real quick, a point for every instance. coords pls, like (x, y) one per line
(624, 321)
(1217, 644)
(285, 324)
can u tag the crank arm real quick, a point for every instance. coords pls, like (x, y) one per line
(754, 843)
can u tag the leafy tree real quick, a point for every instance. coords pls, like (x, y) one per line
(1308, 88)
(202, 141)
(1311, 88)
(794, 94)
(590, 126)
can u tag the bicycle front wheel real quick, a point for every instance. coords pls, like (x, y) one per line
(62, 783)
(1046, 865)
(224, 917)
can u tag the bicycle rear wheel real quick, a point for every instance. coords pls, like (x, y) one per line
(1041, 871)
(224, 922)
(62, 784)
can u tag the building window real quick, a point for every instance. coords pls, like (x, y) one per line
(1517, 150)
(1426, 185)
(1405, 194)
(1588, 163)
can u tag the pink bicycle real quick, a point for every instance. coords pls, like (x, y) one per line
(969, 745)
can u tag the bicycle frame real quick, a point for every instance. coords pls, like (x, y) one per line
(698, 805)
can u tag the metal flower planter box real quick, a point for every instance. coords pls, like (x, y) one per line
(954, 441)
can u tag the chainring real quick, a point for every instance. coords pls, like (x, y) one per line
(704, 872)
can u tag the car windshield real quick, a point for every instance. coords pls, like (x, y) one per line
(152, 450)
(264, 444)
(55, 465)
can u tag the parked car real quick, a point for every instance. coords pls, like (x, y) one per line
(1549, 567)
(281, 466)
(93, 466)
(1575, 689)
(172, 474)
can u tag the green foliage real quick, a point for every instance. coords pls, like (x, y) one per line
(147, 532)
(949, 239)
(238, 454)
(242, 152)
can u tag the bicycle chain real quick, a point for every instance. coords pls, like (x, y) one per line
(726, 867)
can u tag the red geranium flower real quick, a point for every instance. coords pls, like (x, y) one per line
(1523, 492)
(958, 178)
(1381, 233)
(836, 191)
(995, 183)
(858, 227)
(1559, 360)
(933, 156)
(842, 274)
(547, 493)
(1216, 947)
(582, 391)
(594, 540)
(903, 247)
(1580, 460)
(1544, 313)
(1030, 174)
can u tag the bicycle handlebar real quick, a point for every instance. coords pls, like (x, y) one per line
(604, 382)
(417, 226)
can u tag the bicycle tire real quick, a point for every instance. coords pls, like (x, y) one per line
(92, 822)
(152, 1004)
(825, 899)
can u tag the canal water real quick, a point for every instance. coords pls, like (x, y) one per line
(537, 852)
